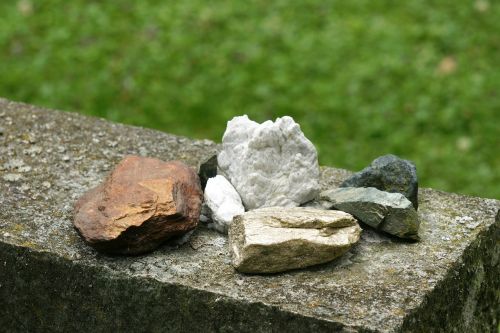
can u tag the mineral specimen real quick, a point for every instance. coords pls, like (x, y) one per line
(142, 203)
(276, 239)
(269, 164)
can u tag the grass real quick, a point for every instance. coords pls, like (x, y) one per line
(420, 79)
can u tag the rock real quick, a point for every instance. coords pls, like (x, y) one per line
(223, 201)
(317, 204)
(205, 213)
(389, 212)
(388, 173)
(276, 239)
(180, 240)
(142, 203)
(208, 169)
(12, 177)
(269, 164)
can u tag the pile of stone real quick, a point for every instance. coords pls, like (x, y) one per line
(262, 189)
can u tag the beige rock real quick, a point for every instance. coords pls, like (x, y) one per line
(276, 239)
(142, 203)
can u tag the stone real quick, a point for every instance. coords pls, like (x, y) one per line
(317, 204)
(207, 169)
(277, 239)
(183, 239)
(12, 177)
(205, 213)
(223, 201)
(52, 281)
(388, 173)
(141, 204)
(269, 164)
(388, 212)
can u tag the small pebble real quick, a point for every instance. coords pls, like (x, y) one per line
(204, 219)
(66, 158)
(463, 219)
(14, 164)
(440, 256)
(25, 168)
(32, 151)
(472, 225)
(12, 177)
(46, 185)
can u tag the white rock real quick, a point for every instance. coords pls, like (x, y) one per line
(276, 239)
(269, 164)
(223, 201)
(12, 177)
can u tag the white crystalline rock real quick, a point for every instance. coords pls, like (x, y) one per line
(269, 164)
(223, 201)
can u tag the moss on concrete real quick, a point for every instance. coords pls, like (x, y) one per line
(50, 280)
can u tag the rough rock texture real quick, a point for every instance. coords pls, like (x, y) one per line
(223, 201)
(51, 281)
(277, 239)
(143, 202)
(388, 173)
(269, 164)
(389, 212)
(207, 169)
(205, 213)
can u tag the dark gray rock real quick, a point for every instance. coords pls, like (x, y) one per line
(208, 169)
(51, 281)
(389, 212)
(388, 173)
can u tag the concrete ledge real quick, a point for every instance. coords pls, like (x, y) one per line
(50, 281)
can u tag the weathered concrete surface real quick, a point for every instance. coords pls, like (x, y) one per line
(51, 281)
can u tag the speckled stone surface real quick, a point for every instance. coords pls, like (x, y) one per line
(51, 281)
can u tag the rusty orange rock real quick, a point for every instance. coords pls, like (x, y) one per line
(143, 202)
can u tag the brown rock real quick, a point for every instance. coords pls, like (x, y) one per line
(142, 203)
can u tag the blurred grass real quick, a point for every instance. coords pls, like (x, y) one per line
(420, 79)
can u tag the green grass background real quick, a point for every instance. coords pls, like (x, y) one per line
(420, 79)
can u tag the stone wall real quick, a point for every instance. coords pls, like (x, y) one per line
(51, 281)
